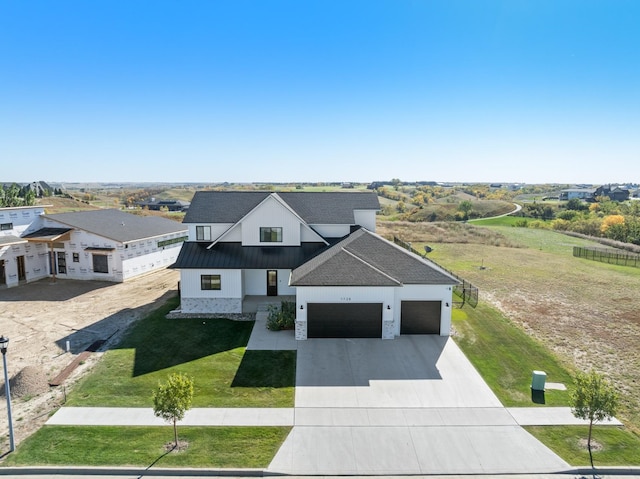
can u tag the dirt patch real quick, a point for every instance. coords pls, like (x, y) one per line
(50, 324)
(595, 445)
(31, 381)
(170, 447)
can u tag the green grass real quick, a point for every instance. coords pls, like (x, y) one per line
(220, 447)
(211, 351)
(501, 221)
(506, 356)
(619, 446)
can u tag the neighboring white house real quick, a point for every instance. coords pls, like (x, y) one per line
(106, 245)
(20, 260)
(320, 248)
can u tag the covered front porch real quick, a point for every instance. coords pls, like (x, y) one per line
(255, 303)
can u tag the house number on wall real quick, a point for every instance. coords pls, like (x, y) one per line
(345, 298)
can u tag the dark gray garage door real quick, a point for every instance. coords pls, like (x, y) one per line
(340, 320)
(420, 317)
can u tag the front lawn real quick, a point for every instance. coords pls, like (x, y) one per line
(212, 351)
(219, 447)
(506, 356)
(614, 446)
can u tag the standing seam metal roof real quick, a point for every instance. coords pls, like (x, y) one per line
(197, 255)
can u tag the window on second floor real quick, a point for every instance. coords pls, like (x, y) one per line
(6, 226)
(271, 235)
(203, 233)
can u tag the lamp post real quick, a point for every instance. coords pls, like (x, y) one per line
(4, 343)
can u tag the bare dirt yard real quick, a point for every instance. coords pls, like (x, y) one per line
(587, 312)
(40, 318)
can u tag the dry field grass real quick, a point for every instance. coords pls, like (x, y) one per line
(587, 312)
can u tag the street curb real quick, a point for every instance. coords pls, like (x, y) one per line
(118, 471)
(193, 472)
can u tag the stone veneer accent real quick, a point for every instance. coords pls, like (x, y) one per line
(178, 314)
(387, 329)
(301, 330)
(211, 305)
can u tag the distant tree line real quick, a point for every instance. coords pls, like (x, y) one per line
(15, 195)
(605, 218)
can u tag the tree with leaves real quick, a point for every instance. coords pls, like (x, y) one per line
(465, 206)
(593, 398)
(172, 399)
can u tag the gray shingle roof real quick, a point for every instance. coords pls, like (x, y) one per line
(313, 208)
(118, 225)
(366, 259)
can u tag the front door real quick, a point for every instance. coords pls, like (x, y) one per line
(62, 262)
(272, 282)
(22, 272)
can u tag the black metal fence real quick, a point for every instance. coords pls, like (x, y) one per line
(467, 292)
(607, 256)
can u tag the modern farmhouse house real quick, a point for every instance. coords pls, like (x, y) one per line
(320, 248)
(107, 245)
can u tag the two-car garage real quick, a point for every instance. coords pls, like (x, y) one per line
(364, 286)
(344, 320)
(364, 320)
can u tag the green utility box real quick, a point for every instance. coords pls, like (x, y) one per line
(538, 380)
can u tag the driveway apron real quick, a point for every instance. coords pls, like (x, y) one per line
(412, 405)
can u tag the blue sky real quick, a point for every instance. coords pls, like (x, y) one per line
(267, 90)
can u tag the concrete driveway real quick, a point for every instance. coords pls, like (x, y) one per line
(413, 405)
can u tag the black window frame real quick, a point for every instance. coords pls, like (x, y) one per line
(76, 257)
(208, 282)
(271, 234)
(6, 226)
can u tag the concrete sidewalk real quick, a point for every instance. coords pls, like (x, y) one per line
(347, 417)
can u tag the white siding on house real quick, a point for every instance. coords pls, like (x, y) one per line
(234, 234)
(307, 235)
(230, 283)
(332, 231)
(414, 292)
(216, 230)
(283, 283)
(194, 300)
(333, 294)
(255, 282)
(271, 213)
(388, 296)
(365, 218)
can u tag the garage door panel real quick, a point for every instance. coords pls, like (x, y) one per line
(344, 320)
(420, 317)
